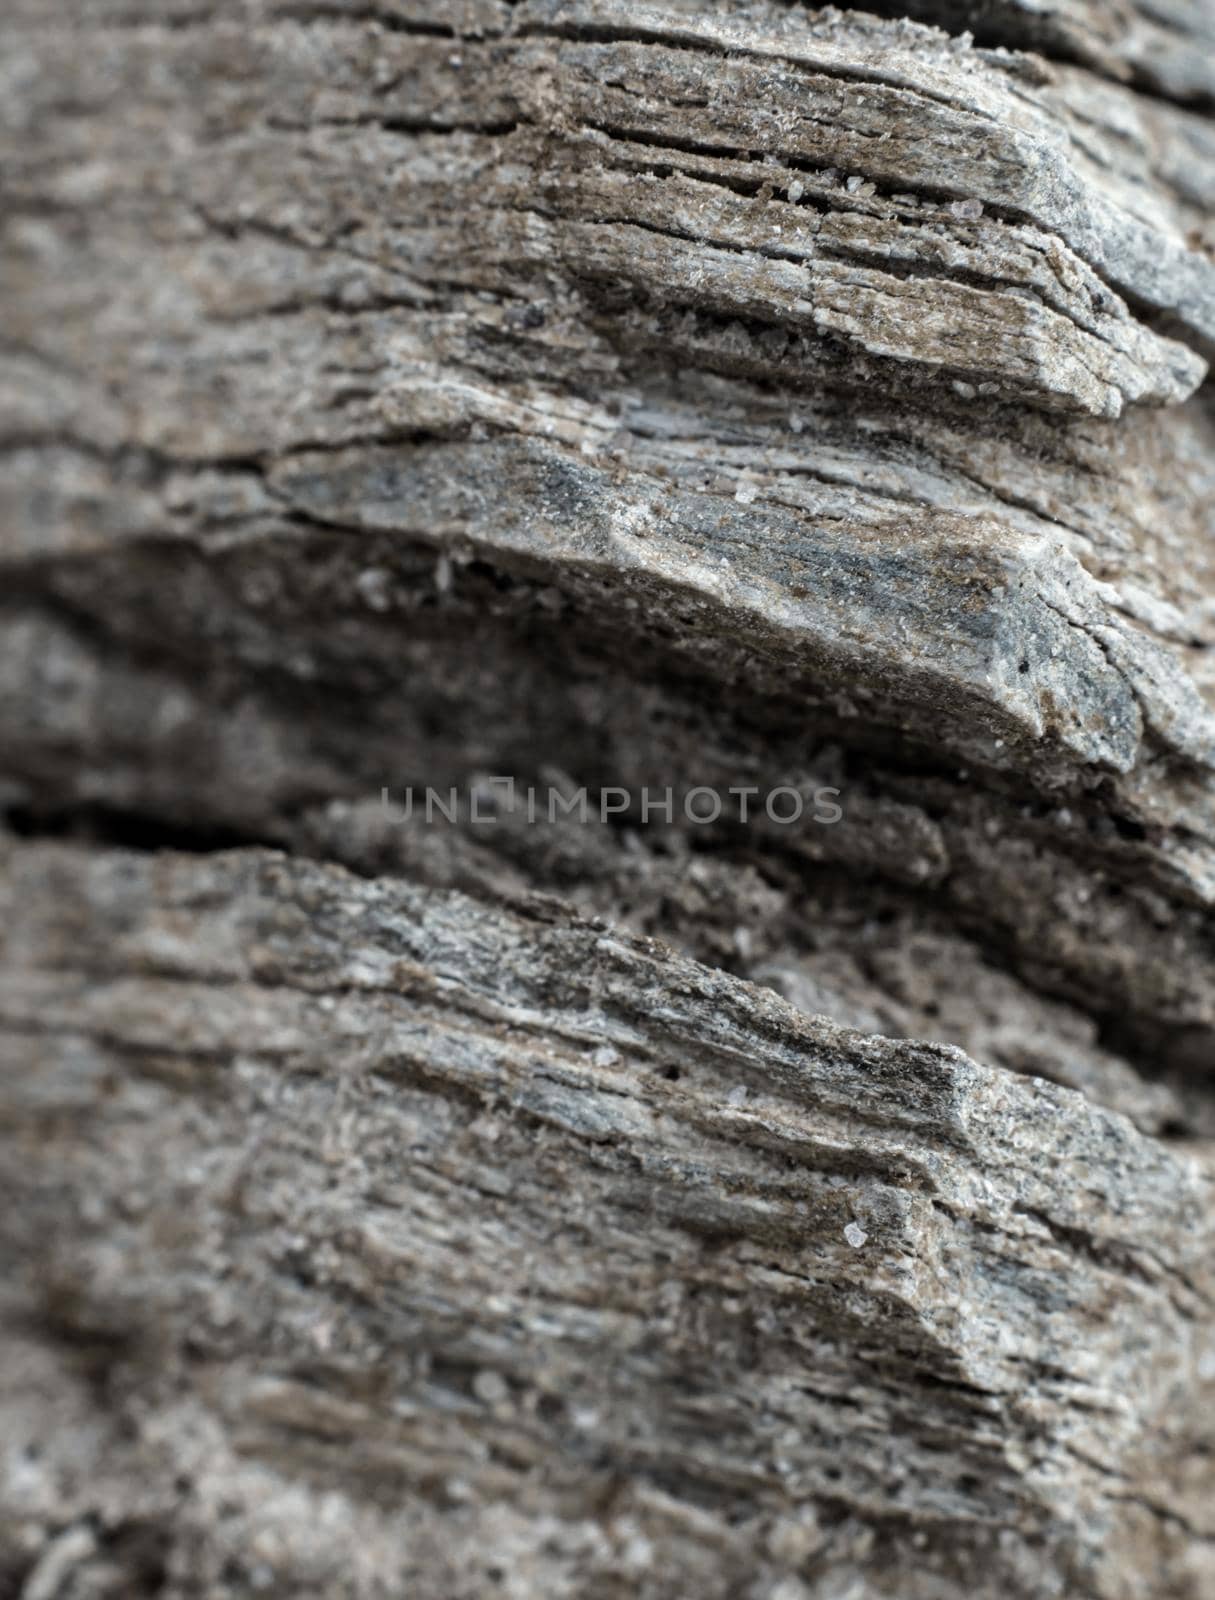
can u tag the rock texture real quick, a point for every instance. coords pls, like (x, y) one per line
(365, 1194)
(719, 395)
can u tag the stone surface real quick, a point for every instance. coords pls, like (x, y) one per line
(355, 1196)
(618, 398)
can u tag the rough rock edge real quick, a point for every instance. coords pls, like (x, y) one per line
(262, 1086)
(202, 1433)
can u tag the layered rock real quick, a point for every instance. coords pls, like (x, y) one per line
(619, 399)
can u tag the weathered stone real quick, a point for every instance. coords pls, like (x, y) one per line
(620, 398)
(392, 1192)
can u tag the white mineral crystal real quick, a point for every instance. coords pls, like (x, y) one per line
(374, 587)
(491, 1387)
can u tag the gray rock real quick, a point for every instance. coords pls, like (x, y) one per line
(720, 397)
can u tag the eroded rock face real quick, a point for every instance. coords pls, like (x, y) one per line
(395, 1191)
(715, 395)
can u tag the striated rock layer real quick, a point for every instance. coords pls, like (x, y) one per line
(616, 399)
(355, 1194)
